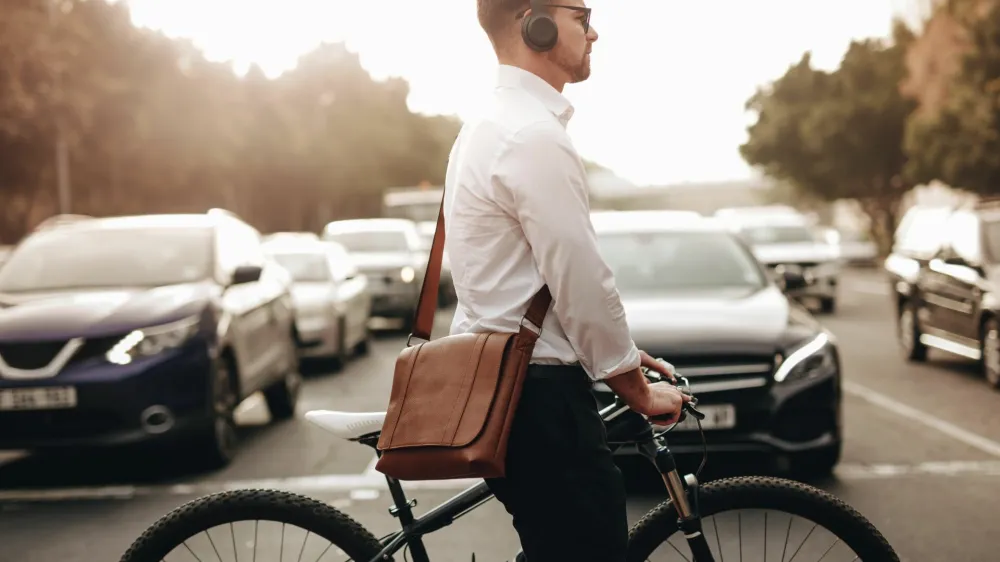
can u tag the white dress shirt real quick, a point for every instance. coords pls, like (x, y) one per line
(517, 216)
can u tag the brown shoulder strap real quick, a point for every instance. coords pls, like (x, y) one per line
(423, 320)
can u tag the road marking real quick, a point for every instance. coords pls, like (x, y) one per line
(361, 487)
(965, 436)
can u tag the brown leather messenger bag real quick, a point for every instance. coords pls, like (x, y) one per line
(453, 399)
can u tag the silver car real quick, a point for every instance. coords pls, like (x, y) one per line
(788, 243)
(331, 298)
(390, 252)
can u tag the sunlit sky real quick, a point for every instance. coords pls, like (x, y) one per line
(665, 100)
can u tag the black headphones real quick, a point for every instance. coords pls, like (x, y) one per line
(538, 29)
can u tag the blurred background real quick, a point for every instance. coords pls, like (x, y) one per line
(215, 216)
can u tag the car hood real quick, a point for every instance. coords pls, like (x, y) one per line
(311, 294)
(727, 321)
(793, 253)
(377, 261)
(93, 313)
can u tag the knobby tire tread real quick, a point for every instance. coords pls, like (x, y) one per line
(758, 492)
(213, 510)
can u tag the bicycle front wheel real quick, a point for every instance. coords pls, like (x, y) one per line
(254, 525)
(762, 519)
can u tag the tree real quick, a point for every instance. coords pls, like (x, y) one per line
(838, 135)
(154, 127)
(959, 143)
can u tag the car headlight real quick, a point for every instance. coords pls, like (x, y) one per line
(153, 340)
(407, 274)
(810, 360)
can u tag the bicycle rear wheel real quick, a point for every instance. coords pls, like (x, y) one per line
(737, 508)
(231, 526)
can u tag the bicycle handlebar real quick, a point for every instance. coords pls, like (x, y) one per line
(618, 407)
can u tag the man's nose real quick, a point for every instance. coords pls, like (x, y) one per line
(592, 35)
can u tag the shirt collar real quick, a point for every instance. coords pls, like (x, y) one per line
(514, 77)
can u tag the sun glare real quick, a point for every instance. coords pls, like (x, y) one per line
(665, 101)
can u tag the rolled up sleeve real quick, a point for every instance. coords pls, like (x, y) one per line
(549, 195)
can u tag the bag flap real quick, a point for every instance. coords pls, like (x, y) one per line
(443, 390)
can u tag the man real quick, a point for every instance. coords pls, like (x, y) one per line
(517, 217)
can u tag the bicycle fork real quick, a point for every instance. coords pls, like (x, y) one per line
(683, 495)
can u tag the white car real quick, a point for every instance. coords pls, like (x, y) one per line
(331, 298)
(391, 253)
(789, 243)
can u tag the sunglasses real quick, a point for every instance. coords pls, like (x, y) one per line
(585, 11)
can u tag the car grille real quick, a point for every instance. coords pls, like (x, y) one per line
(38, 354)
(718, 373)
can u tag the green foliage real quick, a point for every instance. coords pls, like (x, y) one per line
(154, 127)
(838, 135)
(960, 144)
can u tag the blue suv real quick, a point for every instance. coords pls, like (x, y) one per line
(123, 330)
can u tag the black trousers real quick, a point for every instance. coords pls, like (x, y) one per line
(563, 489)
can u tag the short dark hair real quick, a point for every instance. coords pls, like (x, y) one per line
(497, 17)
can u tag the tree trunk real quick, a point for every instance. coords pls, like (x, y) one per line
(883, 214)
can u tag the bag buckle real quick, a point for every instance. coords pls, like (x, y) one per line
(410, 339)
(531, 326)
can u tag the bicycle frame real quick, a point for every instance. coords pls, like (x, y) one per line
(683, 493)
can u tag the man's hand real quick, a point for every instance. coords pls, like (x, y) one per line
(664, 368)
(666, 402)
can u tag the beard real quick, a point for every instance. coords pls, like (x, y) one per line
(577, 69)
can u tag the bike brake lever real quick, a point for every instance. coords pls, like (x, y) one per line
(694, 411)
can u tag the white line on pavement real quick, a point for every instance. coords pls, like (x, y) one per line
(368, 487)
(965, 436)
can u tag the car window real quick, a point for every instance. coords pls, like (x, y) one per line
(962, 231)
(341, 263)
(778, 234)
(305, 267)
(920, 232)
(649, 263)
(372, 240)
(109, 257)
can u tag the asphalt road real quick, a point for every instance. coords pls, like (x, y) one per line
(921, 460)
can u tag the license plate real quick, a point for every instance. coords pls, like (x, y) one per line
(46, 398)
(717, 416)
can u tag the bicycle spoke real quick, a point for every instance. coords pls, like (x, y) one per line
(829, 549)
(718, 542)
(191, 551)
(788, 535)
(232, 533)
(219, 556)
(739, 527)
(303, 549)
(809, 534)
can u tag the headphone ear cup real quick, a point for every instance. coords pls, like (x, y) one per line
(539, 31)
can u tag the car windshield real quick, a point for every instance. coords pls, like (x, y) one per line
(650, 263)
(991, 241)
(305, 266)
(372, 240)
(66, 259)
(777, 234)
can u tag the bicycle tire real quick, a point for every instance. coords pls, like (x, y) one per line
(778, 494)
(202, 514)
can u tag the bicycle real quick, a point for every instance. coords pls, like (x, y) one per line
(689, 502)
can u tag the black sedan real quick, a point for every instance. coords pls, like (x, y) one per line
(766, 373)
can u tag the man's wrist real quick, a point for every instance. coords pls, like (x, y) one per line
(632, 387)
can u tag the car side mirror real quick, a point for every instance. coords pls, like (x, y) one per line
(246, 274)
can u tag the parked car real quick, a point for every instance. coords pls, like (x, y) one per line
(789, 243)
(767, 374)
(147, 328)
(331, 298)
(389, 252)
(944, 271)
(855, 247)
